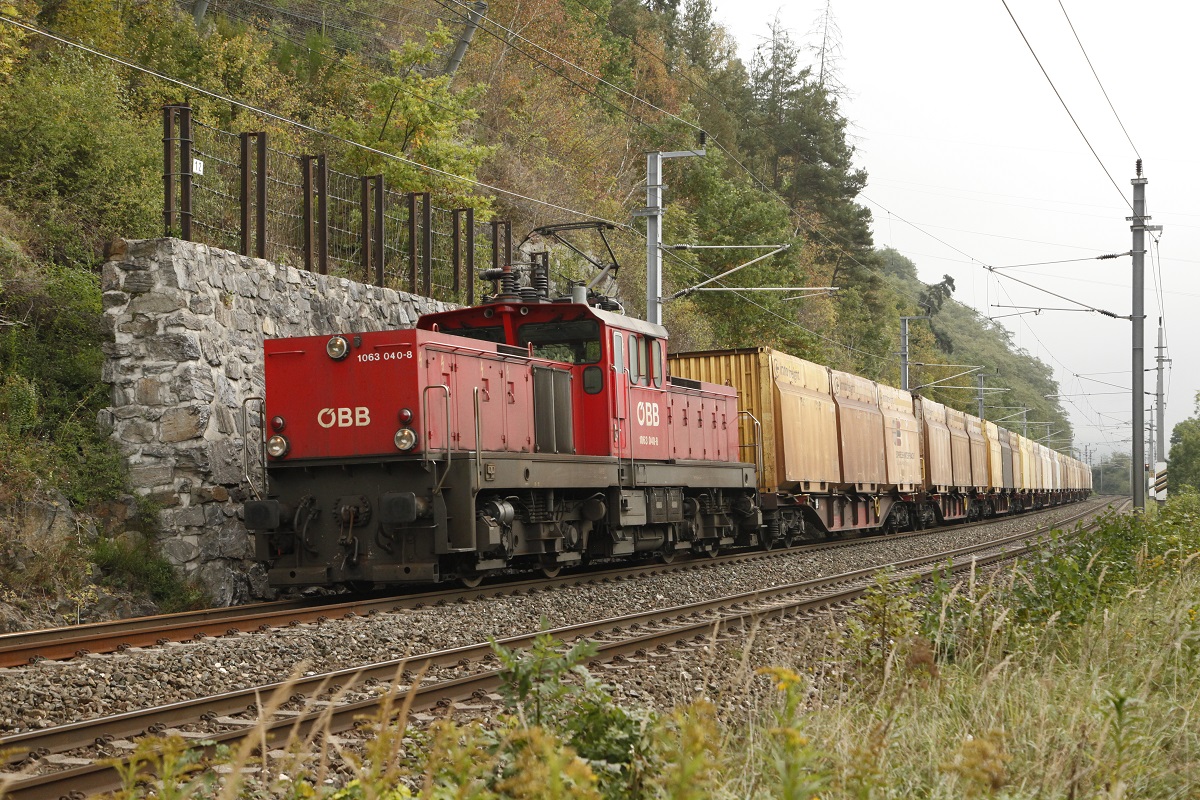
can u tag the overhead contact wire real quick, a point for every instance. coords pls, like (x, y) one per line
(1064, 104)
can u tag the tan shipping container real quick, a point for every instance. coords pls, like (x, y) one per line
(979, 452)
(960, 448)
(860, 430)
(902, 438)
(1026, 463)
(996, 456)
(1014, 453)
(1037, 480)
(791, 399)
(935, 443)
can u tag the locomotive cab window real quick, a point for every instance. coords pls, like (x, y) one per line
(643, 361)
(618, 352)
(571, 342)
(491, 333)
(593, 380)
(656, 363)
(633, 359)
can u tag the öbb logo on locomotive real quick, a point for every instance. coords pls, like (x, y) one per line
(357, 417)
(647, 414)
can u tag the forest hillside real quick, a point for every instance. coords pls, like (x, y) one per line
(545, 120)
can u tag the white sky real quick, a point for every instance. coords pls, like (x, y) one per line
(962, 135)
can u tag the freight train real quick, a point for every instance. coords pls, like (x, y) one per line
(535, 434)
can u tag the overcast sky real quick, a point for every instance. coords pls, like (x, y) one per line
(963, 137)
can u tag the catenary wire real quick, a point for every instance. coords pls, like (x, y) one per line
(1098, 81)
(1064, 104)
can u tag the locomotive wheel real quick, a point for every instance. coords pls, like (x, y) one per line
(666, 556)
(550, 569)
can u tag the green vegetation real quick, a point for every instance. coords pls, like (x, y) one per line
(1068, 675)
(1183, 471)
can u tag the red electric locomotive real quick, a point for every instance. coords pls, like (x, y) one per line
(520, 434)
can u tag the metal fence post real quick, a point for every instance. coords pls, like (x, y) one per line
(185, 177)
(412, 242)
(380, 250)
(260, 221)
(455, 250)
(244, 193)
(306, 181)
(322, 181)
(364, 210)
(168, 169)
(470, 245)
(427, 244)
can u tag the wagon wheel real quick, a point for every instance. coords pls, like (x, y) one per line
(713, 551)
(550, 569)
(667, 554)
(470, 579)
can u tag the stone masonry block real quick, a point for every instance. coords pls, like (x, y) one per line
(183, 423)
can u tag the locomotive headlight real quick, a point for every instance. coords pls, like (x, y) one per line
(278, 446)
(337, 348)
(405, 439)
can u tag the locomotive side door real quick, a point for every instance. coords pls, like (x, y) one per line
(620, 393)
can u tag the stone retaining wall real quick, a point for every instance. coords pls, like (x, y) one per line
(188, 323)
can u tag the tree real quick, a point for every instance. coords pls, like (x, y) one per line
(1183, 467)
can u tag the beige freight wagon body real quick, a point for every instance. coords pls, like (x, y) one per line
(960, 448)
(901, 438)
(999, 456)
(1027, 467)
(792, 401)
(935, 441)
(979, 452)
(860, 431)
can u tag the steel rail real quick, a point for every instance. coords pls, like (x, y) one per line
(81, 735)
(105, 637)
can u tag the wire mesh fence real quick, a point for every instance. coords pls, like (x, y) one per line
(216, 185)
(235, 192)
(285, 210)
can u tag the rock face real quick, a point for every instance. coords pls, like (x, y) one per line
(188, 323)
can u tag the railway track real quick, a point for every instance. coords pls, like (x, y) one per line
(118, 635)
(337, 701)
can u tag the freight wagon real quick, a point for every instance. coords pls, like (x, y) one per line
(843, 453)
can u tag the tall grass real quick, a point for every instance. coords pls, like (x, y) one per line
(1072, 676)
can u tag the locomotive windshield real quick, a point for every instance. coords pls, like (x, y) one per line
(493, 333)
(573, 341)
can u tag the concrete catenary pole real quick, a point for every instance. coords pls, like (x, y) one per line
(904, 350)
(653, 212)
(1137, 483)
(980, 379)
